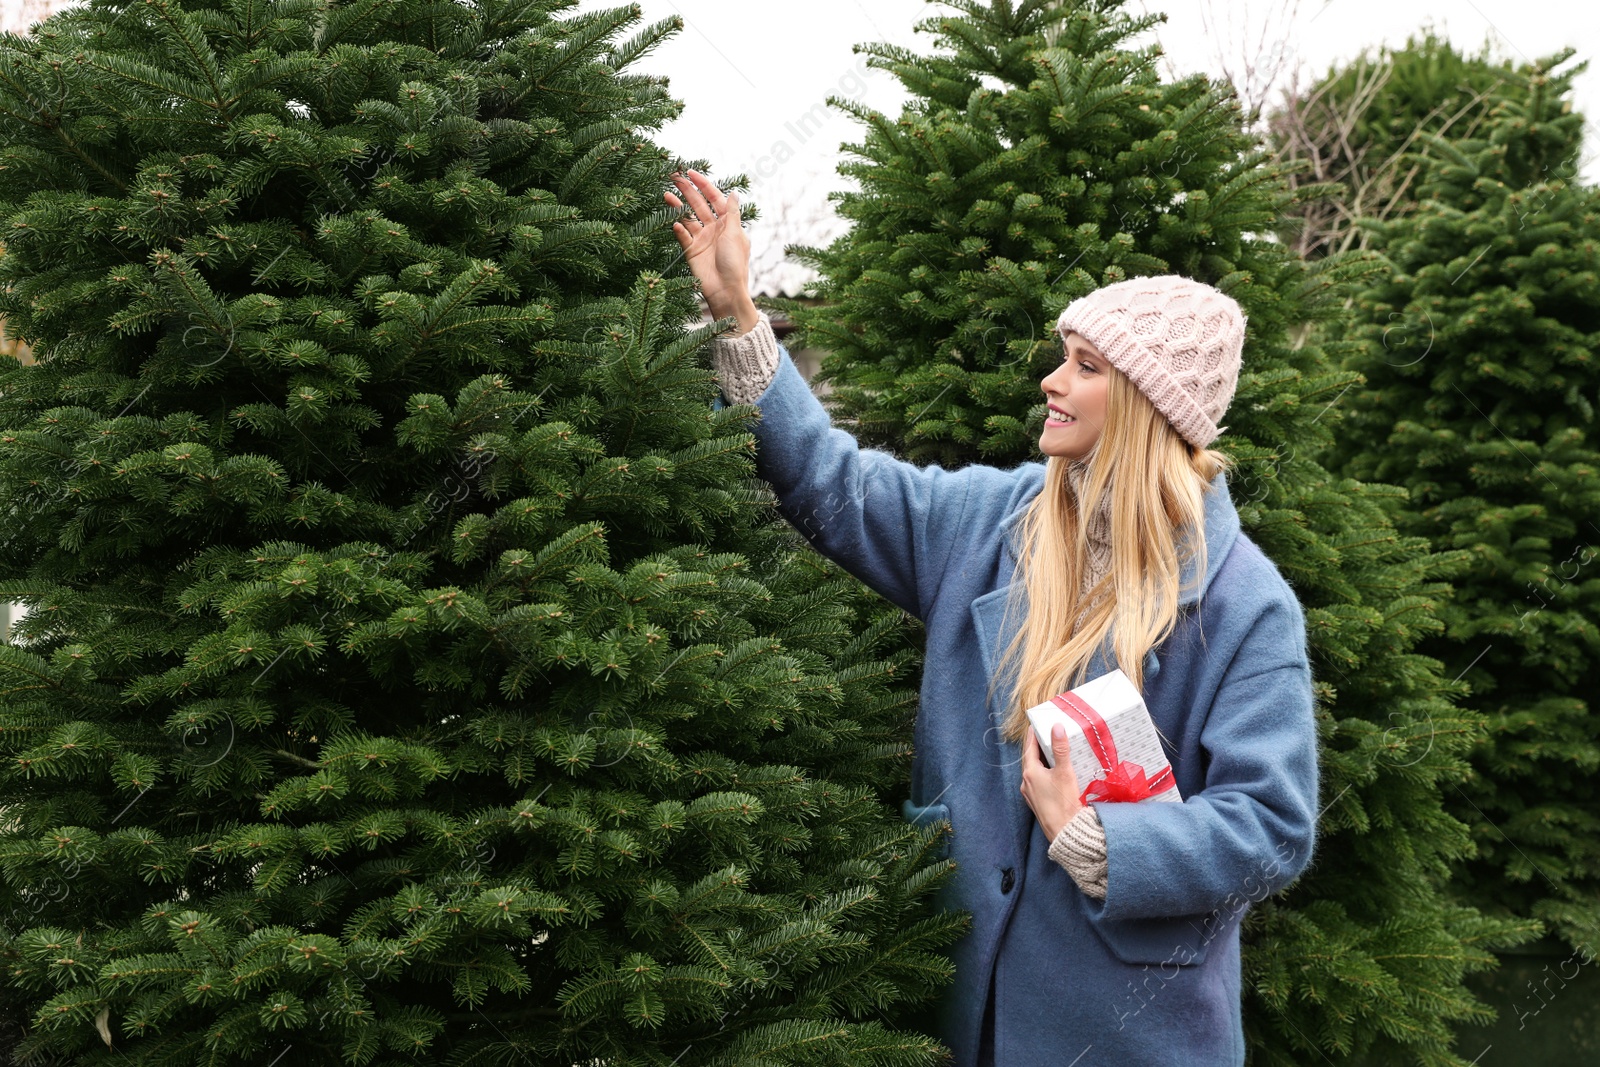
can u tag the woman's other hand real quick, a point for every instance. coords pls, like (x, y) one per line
(1052, 792)
(715, 246)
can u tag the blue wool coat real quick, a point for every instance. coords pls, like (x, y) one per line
(1151, 974)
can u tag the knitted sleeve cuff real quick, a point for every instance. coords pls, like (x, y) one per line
(746, 363)
(1080, 847)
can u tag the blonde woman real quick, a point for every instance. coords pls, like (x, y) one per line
(1106, 932)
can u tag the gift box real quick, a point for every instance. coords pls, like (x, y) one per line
(1116, 751)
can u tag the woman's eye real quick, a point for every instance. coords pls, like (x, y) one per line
(1085, 363)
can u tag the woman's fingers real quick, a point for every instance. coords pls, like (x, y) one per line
(706, 202)
(690, 223)
(713, 195)
(696, 200)
(697, 214)
(675, 202)
(1031, 764)
(688, 228)
(705, 198)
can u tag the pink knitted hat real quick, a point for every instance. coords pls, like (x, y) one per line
(1178, 340)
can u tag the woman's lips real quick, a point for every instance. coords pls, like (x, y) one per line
(1056, 422)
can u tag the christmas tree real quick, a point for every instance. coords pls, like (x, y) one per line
(1040, 156)
(1360, 128)
(1478, 356)
(415, 668)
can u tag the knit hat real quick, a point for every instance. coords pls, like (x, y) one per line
(1178, 340)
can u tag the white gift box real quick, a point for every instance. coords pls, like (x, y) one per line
(1115, 749)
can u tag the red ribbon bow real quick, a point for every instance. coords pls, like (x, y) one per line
(1124, 780)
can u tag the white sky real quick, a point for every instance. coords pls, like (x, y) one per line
(753, 76)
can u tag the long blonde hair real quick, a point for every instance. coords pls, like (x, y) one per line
(1157, 483)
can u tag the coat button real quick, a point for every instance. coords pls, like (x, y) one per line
(1007, 879)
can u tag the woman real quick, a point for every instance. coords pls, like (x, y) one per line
(1105, 933)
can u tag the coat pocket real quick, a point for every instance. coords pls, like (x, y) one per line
(921, 815)
(1175, 941)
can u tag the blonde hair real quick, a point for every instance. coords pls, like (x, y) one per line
(1158, 484)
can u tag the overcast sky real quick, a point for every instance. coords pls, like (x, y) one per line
(753, 76)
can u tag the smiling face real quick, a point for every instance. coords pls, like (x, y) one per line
(1077, 389)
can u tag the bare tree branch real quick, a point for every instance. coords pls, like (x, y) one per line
(1317, 126)
(1255, 68)
(788, 217)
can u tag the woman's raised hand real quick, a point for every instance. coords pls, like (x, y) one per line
(715, 246)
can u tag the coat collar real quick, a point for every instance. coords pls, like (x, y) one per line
(1221, 520)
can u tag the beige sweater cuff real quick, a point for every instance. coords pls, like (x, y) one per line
(1080, 847)
(746, 363)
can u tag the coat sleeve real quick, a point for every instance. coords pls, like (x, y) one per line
(1250, 831)
(890, 523)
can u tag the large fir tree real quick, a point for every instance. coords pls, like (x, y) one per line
(415, 668)
(1040, 156)
(1479, 355)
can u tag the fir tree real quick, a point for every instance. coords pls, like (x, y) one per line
(1359, 128)
(415, 668)
(1041, 156)
(1478, 358)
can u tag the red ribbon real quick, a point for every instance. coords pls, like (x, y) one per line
(1124, 780)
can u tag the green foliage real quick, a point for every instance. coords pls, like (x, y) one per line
(415, 668)
(1478, 354)
(1358, 134)
(1040, 157)
(1428, 86)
